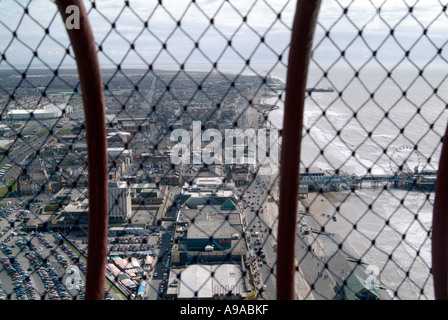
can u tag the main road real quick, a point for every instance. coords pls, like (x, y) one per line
(259, 238)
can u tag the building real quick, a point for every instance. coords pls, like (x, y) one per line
(210, 282)
(150, 203)
(76, 205)
(312, 176)
(240, 175)
(207, 190)
(151, 194)
(213, 234)
(119, 201)
(5, 143)
(33, 183)
(120, 137)
(208, 182)
(68, 138)
(193, 199)
(75, 214)
(171, 179)
(355, 288)
(209, 234)
(66, 195)
(115, 152)
(28, 187)
(155, 161)
(49, 111)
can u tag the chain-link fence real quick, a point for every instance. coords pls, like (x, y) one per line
(194, 94)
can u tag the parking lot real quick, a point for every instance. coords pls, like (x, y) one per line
(35, 266)
(52, 266)
(40, 265)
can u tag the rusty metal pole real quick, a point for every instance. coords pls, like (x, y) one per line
(83, 43)
(299, 56)
(440, 227)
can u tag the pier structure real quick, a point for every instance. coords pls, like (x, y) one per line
(330, 180)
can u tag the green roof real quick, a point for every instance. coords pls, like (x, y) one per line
(358, 289)
(228, 205)
(122, 276)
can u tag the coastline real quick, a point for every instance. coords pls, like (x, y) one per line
(400, 274)
(370, 224)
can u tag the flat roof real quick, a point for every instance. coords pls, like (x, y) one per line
(144, 186)
(196, 281)
(203, 229)
(122, 133)
(209, 180)
(35, 221)
(210, 212)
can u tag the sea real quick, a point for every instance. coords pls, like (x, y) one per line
(383, 119)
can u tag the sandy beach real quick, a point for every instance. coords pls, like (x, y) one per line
(317, 211)
(369, 225)
(322, 208)
(332, 212)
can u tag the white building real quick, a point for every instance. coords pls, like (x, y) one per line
(114, 152)
(119, 201)
(49, 111)
(211, 281)
(208, 182)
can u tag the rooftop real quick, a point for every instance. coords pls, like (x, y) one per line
(196, 281)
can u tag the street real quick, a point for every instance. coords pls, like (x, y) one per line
(259, 235)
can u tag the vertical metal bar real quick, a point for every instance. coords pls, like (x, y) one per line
(440, 227)
(94, 108)
(299, 56)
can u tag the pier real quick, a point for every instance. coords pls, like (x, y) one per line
(330, 181)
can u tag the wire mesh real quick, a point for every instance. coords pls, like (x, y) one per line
(194, 93)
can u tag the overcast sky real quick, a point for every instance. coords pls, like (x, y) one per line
(262, 21)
